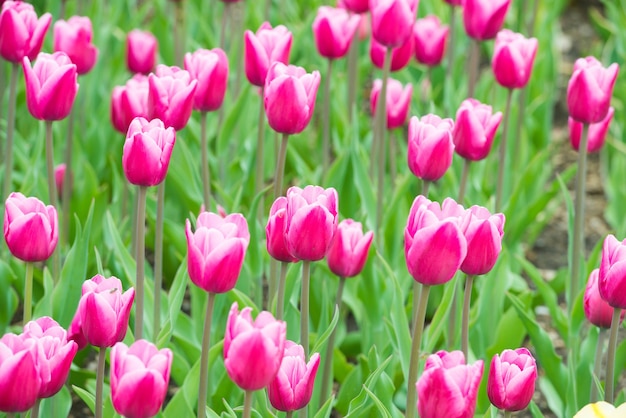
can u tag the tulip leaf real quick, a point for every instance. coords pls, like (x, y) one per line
(326, 409)
(535, 411)
(8, 296)
(58, 405)
(358, 403)
(379, 405)
(86, 396)
(174, 301)
(319, 343)
(186, 398)
(441, 318)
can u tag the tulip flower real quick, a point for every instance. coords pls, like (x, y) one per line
(455, 2)
(596, 135)
(21, 32)
(171, 96)
(430, 146)
(513, 58)
(400, 56)
(141, 51)
(59, 176)
(590, 89)
(333, 30)
(484, 240)
(348, 251)
(483, 19)
(275, 232)
(475, 129)
(210, 70)
(129, 101)
(430, 39)
(597, 310)
(392, 20)
(398, 100)
(601, 410)
(448, 387)
(355, 6)
(292, 387)
(139, 378)
(51, 86)
(74, 38)
(262, 49)
(20, 381)
(147, 151)
(512, 377)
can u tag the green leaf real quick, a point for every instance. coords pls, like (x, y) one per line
(58, 405)
(86, 396)
(319, 343)
(326, 409)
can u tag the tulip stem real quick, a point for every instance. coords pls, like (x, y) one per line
(353, 56)
(280, 302)
(610, 356)
(65, 190)
(247, 404)
(450, 57)
(507, 414)
(327, 377)
(158, 257)
(8, 162)
(597, 366)
(417, 289)
(579, 217)
(304, 307)
(34, 413)
(465, 320)
(11, 415)
(52, 190)
(206, 174)
(179, 29)
(280, 167)
(289, 414)
(100, 381)
(28, 293)
(259, 179)
(464, 178)
(411, 402)
(326, 119)
(473, 70)
(393, 167)
(204, 360)
(379, 133)
(139, 259)
(505, 130)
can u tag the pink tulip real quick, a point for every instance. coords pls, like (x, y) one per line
(103, 312)
(590, 89)
(448, 387)
(430, 146)
(264, 48)
(147, 152)
(170, 96)
(210, 70)
(31, 229)
(333, 30)
(55, 354)
(141, 51)
(484, 240)
(400, 56)
(59, 176)
(398, 101)
(275, 232)
(597, 310)
(19, 376)
(139, 378)
(311, 221)
(392, 20)
(455, 2)
(430, 38)
(215, 252)
(483, 19)
(596, 136)
(355, 6)
(612, 276)
(292, 387)
(129, 101)
(51, 86)
(513, 58)
(21, 33)
(289, 97)
(74, 38)
(512, 377)
(434, 244)
(475, 129)
(253, 350)
(348, 252)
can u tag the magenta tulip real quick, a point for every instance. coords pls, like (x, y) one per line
(400, 56)
(74, 38)
(253, 349)
(392, 20)
(430, 39)
(597, 310)
(612, 276)
(513, 59)
(448, 387)
(139, 378)
(129, 101)
(275, 232)
(430, 146)
(262, 49)
(355, 6)
(215, 252)
(289, 99)
(51, 86)
(348, 252)
(484, 240)
(483, 19)
(19, 376)
(292, 387)
(21, 32)
(31, 229)
(210, 70)
(475, 129)
(455, 2)
(398, 101)
(333, 31)
(590, 89)
(141, 51)
(171, 96)
(596, 134)
(512, 377)
(59, 176)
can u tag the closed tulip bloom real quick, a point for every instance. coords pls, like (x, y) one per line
(483, 19)
(129, 101)
(210, 70)
(430, 146)
(601, 410)
(253, 349)
(59, 176)
(74, 38)
(51, 86)
(430, 39)
(398, 101)
(596, 135)
(19, 376)
(400, 56)
(513, 59)
(348, 251)
(392, 20)
(512, 377)
(31, 229)
(292, 387)
(597, 310)
(215, 251)
(262, 49)
(484, 240)
(448, 387)
(455, 2)
(475, 129)
(275, 232)
(590, 89)
(333, 30)
(55, 353)
(355, 6)
(103, 312)
(139, 378)
(21, 32)
(289, 97)
(147, 151)
(612, 276)
(171, 96)
(141, 51)
(311, 221)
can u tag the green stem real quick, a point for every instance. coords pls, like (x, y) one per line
(225, 18)
(425, 187)
(266, 14)
(280, 167)
(450, 56)
(508, 414)
(326, 119)
(280, 302)
(28, 293)
(158, 257)
(289, 414)
(464, 178)
(66, 192)
(206, 174)
(610, 356)
(11, 415)
(597, 364)
(34, 413)
(304, 307)
(179, 32)
(379, 132)
(417, 289)
(465, 321)
(140, 259)
(452, 315)
(353, 56)
(327, 377)
(473, 70)
(247, 404)
(579, 217)
(100, 381)
(393, 166)
(52, 191)
(259, 179)
(272, 290)
(8, 155)
(411, 402)
(505, 130)
(204, 359)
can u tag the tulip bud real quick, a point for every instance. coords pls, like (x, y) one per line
(59, 176)
(484, 240)
(512, 377)
(19, 376)
(170, 96)
(430, 146)
(348, 252)
(590, 89)
(475, 129)
(141, 51)
(400, 56)
(596, 135)
(597, 310)
(210, 70)
(129, 102)
(398, 101)
(513, 58)
(275, 232)
(355, 6)
(74, 38)
(21, 33)
(333, 30)
(612, 276)
(430, 39)
(264, 48)
(392, 20)
(455, 2)
(483, 19)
